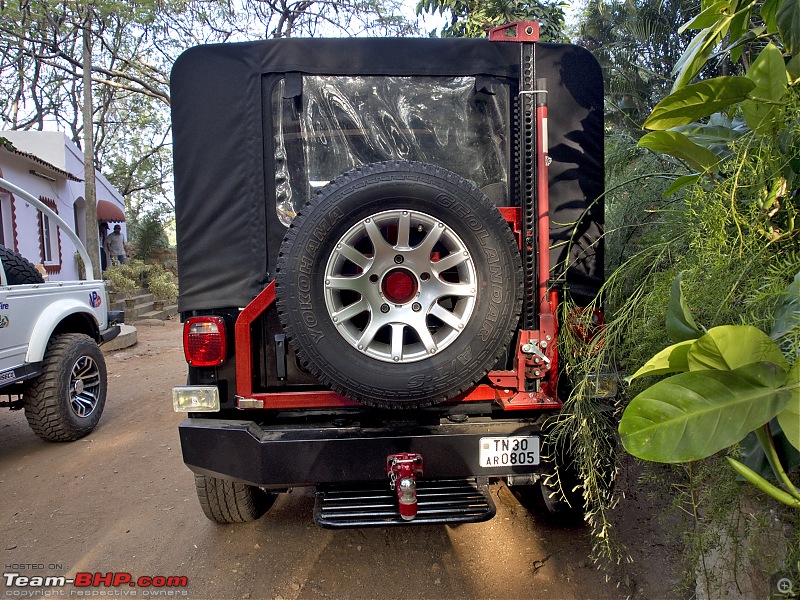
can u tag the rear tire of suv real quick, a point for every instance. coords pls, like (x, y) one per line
(224, 501)
(559, 497)
(559, 492)
(65, 401)
(19, 270)
(399, 285)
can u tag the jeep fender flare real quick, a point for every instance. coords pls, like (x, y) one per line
(50, 320)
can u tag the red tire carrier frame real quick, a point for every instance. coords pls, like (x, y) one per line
(532, 382)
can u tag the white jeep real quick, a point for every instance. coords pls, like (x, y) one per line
(50, 362)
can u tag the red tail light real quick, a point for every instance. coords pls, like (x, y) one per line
(204, 341)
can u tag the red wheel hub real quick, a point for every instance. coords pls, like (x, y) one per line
(399, 286)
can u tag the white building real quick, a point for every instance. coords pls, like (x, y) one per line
(49, 166)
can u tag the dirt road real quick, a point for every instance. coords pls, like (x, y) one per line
(121, 500)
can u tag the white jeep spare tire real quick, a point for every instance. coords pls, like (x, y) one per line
(399, 285)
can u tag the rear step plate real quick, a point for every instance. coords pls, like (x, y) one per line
(439, 502)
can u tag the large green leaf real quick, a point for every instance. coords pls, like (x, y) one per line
(729, 347)
(680, 183)
(693, 415)
(698, 100)
(678, 145)
(787, 313)
(715, 137)
(768, 72)
(768, 10)
(793, 68)
(708, 16)
(736, 46)
(680, 322)
(703, 44)
(787, 18)
(789, 418)
(737, 30)
(672, 359)
(697, 52)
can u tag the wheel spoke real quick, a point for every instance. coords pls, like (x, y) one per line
(354, 256)
(348, 312)
(345, 283)
(90, 379)
(424, 335)
(403, 230)
(430, 240)
(448, 262)
(369, 333)
(83, 404)
(442, 289)
(91, 383)
(397, 341)
(379, 243)
(91, 396)
(82, 367)
(446, 317)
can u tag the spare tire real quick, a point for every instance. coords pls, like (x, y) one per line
(399, 285)
(19, 270)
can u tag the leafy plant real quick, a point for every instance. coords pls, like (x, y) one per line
(119, 280)
(148, 235)
(759, 101)
(135, 269)
(727, 219)
(636, 43)
(732, 379)
(163, 287)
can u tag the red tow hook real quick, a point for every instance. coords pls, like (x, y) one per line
(403, 470)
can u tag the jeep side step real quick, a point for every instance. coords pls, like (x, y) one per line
(444, 501)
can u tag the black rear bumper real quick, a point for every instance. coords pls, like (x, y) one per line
(301, 455)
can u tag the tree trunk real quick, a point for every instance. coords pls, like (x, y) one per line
(90, 195)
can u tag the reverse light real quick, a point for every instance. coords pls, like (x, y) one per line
(195, 398)
(204, 341)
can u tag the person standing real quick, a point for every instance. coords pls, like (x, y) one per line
(116, 246)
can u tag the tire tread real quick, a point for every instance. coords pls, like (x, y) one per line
(19, 270)
(43, 396)
(224, 501)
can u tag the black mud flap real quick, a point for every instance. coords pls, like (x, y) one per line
(447, 501)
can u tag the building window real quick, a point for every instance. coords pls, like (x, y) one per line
(76, 219)
(4, 198)
(50, 239)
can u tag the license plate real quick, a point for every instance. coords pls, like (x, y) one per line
(513, 451)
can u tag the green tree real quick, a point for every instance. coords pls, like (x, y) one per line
(474, 18)
(133, 46)
(637, 43)
(59, 49)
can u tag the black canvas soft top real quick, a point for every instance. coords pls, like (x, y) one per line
(221, 157)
